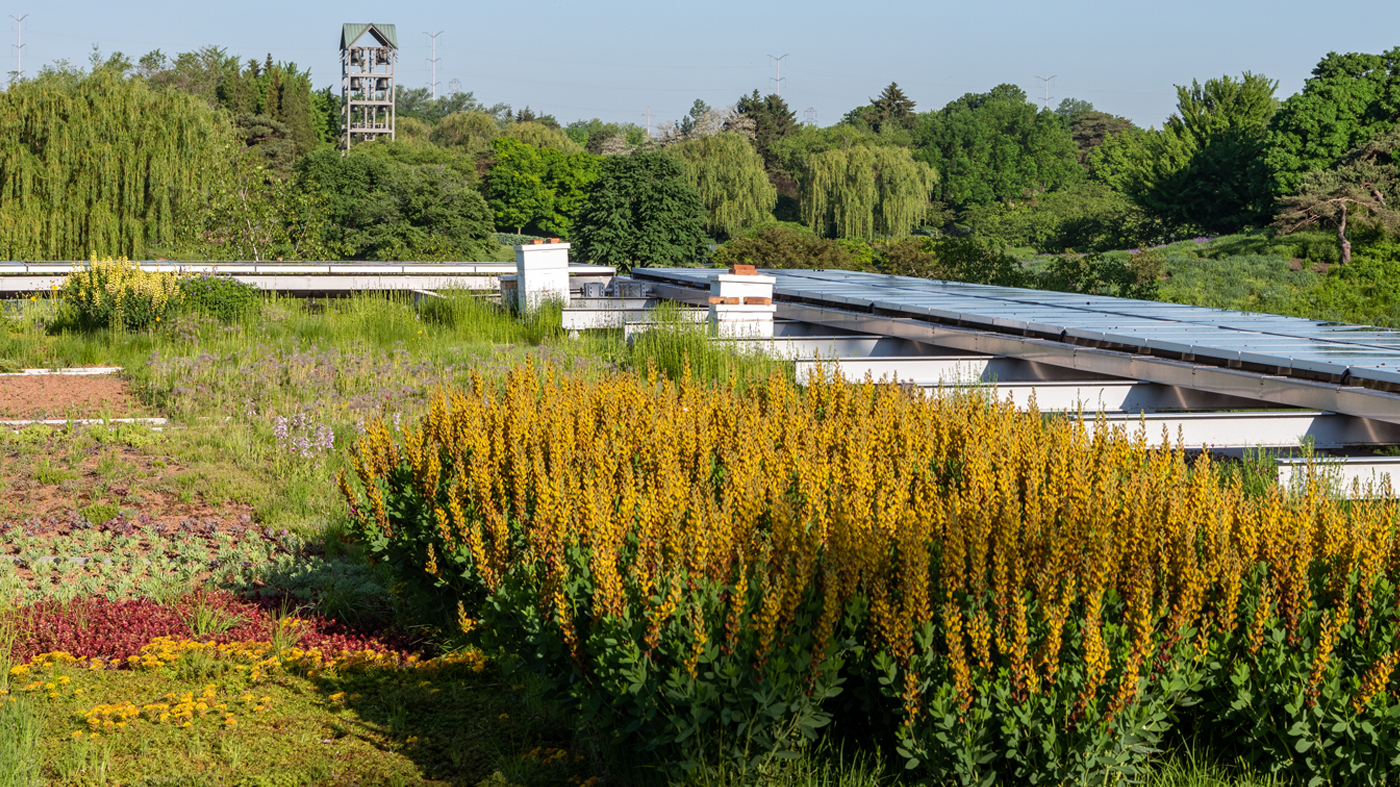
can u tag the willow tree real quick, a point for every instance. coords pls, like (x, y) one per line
(102, 164)
(865, 192)
(729, 175)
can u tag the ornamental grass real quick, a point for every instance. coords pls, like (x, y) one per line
(715, 576)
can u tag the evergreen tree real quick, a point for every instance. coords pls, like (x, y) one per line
(697, 111)
(891, 107)
(1359, 184)
(640, 211)
(772, 122)
(272, 93)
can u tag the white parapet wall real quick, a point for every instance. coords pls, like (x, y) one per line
(741, 304)
(542, 274)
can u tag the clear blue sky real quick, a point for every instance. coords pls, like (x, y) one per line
(613, 60)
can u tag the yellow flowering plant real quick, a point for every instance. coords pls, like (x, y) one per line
(118, 294)
(1004, 596)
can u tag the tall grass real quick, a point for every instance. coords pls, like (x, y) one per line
(675, 345)
(20, 723)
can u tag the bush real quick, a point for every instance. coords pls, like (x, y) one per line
(783, 247)
(969, 260)
(702, 572)
(220, 296)
(911, 257)
(1097, 274)
(117, 294)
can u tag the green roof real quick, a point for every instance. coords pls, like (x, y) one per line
(385, 34)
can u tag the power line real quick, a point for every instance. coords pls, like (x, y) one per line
(434, 60)
(777, 77)
(1045, 81)
(19, 46)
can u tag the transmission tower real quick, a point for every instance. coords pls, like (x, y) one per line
(455, 85)
(777, 77)
(1045, 82)
(811, 116)
(19, 46)
(433, 61)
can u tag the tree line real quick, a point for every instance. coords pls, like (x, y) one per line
(204, 155)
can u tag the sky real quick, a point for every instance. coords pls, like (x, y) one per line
(630, 61)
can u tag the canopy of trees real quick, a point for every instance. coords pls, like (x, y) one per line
(204, 154)
(640, 211)
(1204, 167)
(865, 192)
(1348, 100)
(538, 187)
(728, 174)
(996, 146)
(103, 163)
(383, 209)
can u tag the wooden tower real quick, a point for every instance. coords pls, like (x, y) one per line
(368, 53)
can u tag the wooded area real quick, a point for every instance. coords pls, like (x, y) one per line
(207, 156)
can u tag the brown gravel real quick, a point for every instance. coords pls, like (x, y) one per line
(67, 396)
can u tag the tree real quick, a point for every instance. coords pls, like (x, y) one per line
(1090, 128)
(535, 133)
(1071, 108)
(515, 186)
(469, 131)
(772, 121)
(865, 192)
(996, 146)
(891, 107)
(729, 176)
(251, 213)
(103, 163)
(698, 110)
(387, 209)
(539, 187)
(1202, 170)
(784, 247)
(640, 210)
(1348, 100)
(1359, 183)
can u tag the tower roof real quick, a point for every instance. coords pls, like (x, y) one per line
(352, 32)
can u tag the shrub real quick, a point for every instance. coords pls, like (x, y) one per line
(1097, 274)
(117, 294)
(223, 297)
(911, 257)
(1006, 597)
(782, 247)
(969, 260)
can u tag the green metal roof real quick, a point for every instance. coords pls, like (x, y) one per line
(385, 34)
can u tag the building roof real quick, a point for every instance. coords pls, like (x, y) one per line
(384, 34)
